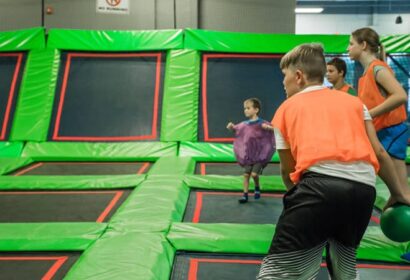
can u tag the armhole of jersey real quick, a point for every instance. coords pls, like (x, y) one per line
(376, 69)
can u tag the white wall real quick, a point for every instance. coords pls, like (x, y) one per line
(344, 24)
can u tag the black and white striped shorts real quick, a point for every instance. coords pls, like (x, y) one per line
(320, 211)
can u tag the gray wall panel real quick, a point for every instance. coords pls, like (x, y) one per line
(19, 14)
(262, 16)
(187, 13)
(81, 14)
(165, 14)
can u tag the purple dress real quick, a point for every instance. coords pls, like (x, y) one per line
(252, 143)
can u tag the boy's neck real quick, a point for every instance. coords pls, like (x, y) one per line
(339, 84)
(310, 84)
(254, 118)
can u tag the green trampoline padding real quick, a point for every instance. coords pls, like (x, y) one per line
(82, 182)
(10, 149)
(232, 183)
(83, 151)
(125, 255)
(255, 239)
(9, 164)
(49, 236)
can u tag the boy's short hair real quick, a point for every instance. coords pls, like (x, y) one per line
(339, 64)
(309, 58)
(256, 103)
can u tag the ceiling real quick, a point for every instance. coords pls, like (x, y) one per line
(357, 6)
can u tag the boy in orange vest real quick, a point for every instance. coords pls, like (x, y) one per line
(329, 155)
(336, 73)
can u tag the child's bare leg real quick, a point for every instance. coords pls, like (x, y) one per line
(244, 198)
(255, 177)
(401, 170)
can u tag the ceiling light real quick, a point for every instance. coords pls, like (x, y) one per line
(308, 10)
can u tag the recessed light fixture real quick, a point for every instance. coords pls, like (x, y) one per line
(308, 10)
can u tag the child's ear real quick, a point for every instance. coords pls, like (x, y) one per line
(364, 45)
(299, 77)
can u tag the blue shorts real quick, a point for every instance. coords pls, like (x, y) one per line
(394, 140)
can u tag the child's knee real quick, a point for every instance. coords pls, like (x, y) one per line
(246, 175)
(254, 175)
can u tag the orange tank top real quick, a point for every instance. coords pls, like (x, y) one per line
(317, 130)
(349, 89)
(371, 96)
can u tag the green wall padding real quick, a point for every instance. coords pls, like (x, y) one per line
(396, 43)
(9, 164)
(9, 149)
(35, 102)
(22, 40)
(83, 151)
(125, 255)
(77, 182)
(256, 239)
(233, 183)
(217, 41)
(49, 236)
(181, 96)
(114, 40)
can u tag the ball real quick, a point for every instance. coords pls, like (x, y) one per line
(395, 223)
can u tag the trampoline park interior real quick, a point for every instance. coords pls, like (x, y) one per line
(115, 161)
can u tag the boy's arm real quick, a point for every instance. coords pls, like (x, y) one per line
(398, 96)
(230, 126)
(387, 171)
(287, 166)
(267, 126)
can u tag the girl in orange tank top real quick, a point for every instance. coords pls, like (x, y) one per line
(383, 96)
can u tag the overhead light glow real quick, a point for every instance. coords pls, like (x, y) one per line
(308, 10)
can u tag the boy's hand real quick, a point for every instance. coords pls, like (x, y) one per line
(405, 199)
(266, 126)
(230, 126)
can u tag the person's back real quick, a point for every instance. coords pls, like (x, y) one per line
(322, 131)
(327, 147)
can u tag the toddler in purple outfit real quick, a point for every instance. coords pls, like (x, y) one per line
(253, 146)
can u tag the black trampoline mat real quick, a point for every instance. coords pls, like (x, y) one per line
(206, 206)
(11, 71)
(83, 168)
(36, 265)
(60, 206)
(190, 266)
(108, 97)
(211, 207)
(229, 79)
(231, 168)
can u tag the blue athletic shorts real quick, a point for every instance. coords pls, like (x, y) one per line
(394, 140)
